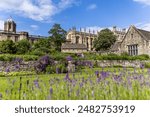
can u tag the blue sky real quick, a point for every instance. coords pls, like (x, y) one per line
(38, 16)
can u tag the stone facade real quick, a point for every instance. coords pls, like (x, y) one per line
(10, 33)
(76, 39)
(136, 42)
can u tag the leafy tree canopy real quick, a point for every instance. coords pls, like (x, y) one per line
(23, 46)
(105, 40)
(7, 46)
(58, 36)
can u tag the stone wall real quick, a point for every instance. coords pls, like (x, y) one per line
(29, 66)
(125, 63)
(15, 66)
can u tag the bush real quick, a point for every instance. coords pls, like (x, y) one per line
(7, 46)
(37, 52)
(147, 65)
(10, 57)
(42, 63)
(23, 46)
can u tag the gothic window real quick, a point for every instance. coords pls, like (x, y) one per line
(77, 40)
(9, 26)
(132, 36)
(91, 42)
(87, 44)
(133, 49)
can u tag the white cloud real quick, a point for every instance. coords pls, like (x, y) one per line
(92, 7)
(1, 25)
(34, 27)
(144, 26)
(39, 10)
(146, 2)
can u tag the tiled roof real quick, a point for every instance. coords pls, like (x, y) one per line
(145, 33)
(73, 46)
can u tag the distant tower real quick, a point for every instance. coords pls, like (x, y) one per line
(10, 25)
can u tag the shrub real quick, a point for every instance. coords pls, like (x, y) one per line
(7, 46)
(147, 65)
(42, 63)
(23, 46)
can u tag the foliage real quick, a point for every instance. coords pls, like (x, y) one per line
(42, 63)
(10, 57)
(105, 40)
(7, 46)
(57, 36)
(23, 46)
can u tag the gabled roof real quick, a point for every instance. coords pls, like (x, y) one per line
(145, 34)
(73, 46)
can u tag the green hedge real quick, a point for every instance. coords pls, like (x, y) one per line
(10, 57)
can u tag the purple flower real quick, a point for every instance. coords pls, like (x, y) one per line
(18, 60)
(96, 73)
(142, 66)
(36, 83)
(7, 70)
(98, 80)
(57, 70)
(104, 74)
(17, 67)
(51, 90)
(81, 84)
(69, 58)
(66, 77)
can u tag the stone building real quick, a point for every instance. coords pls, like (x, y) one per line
(9, 32)
(120, 34)
(79, 41)
(136, 42)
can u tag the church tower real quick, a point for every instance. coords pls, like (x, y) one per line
(10, 26)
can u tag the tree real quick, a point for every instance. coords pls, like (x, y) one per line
(42, 46)
(57, 35)
(7, 46)
(105, 40)
(23, 46)
(42, 43)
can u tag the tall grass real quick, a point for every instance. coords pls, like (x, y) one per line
(88, 84)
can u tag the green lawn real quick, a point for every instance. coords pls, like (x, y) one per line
(88, 84)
